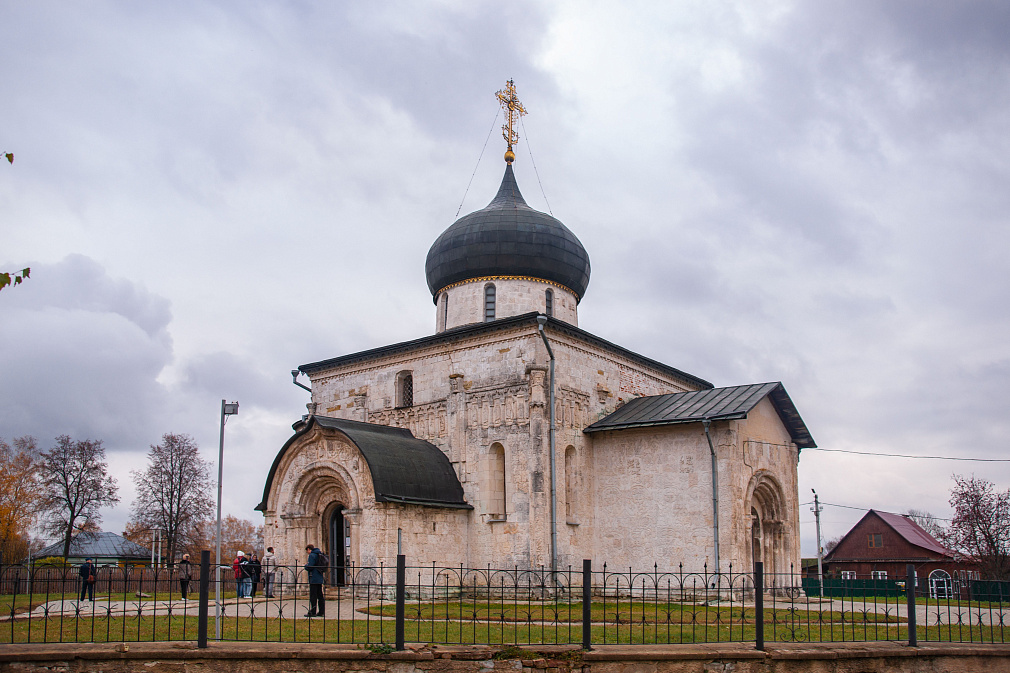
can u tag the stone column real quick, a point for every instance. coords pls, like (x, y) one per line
(456, 425)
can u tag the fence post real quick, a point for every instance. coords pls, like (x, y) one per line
(201, 629)
(401, 582)
(759, 605)
(913, 637)
(587, 604)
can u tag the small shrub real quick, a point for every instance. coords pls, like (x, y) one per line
(51, 562)
(509, 652)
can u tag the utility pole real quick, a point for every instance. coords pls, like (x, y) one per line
(820, 550)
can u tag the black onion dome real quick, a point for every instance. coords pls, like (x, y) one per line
(507, 238)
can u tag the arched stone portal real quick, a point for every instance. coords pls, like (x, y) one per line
(330, 484)
(768, 542)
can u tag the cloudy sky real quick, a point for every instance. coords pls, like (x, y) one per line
(212, 193)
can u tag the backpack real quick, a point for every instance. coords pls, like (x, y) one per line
(322, 562)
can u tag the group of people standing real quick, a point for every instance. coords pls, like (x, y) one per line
(249, 571)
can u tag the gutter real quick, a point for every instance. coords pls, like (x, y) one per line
(706, 422)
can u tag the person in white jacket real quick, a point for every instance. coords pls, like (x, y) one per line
(269, 563)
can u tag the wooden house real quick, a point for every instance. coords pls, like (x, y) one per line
(880, 547)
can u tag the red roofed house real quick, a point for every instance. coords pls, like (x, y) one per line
(880, 546)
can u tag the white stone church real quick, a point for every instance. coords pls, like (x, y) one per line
(441, 446)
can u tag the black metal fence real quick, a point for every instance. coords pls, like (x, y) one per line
(383, 607)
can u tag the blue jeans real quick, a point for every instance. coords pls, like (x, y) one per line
(245, 587)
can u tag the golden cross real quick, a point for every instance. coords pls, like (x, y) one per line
(513, 110)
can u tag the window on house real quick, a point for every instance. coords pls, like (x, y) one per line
(405, 389)
(848, 574)
(549, 298)
(874, 540)
(879, 574)
(489, 302)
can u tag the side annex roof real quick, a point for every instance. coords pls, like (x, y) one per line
(404, 469)
(716, 404)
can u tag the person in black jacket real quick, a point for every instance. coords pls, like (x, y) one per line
(255, 570)
(185, 575)
(317, 577)
(87, 573)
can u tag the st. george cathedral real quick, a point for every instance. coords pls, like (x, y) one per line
(442, 446)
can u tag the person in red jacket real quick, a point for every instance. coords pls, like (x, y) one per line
(236, 566)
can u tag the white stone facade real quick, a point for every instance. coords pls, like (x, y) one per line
(630, 498)
(465, 303)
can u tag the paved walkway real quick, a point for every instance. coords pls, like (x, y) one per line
(931, 614)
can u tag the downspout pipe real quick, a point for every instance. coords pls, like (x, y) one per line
(706, 422)
(294, 380)
(541, 321)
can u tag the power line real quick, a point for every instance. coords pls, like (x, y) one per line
(865, 509)
(902, 455)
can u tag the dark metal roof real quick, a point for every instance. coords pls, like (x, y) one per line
(508, 238)
(94, 545)
(503, 324)
(717, 404)
(404, 469)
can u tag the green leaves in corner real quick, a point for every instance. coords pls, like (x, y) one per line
(13, 278)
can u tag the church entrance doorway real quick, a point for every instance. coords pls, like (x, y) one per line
(337, 539)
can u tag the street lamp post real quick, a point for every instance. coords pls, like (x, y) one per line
(820, 550)
(227, 409)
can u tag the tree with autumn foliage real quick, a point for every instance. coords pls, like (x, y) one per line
(20, 496)
(980, 527)
(236, 534)
(173, 492)
(75, 484)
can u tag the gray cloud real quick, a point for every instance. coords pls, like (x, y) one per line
(813, 193)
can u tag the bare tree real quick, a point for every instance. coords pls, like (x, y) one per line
(927, 522)
(19, 496)
(173, 493)
(980, 528)
(830, 545)
(75, 486)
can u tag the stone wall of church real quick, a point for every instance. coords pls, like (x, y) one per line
(653, 495)
(513, 296)
(628, 498)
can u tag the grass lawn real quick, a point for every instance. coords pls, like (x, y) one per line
(93, 628)
(624, 613)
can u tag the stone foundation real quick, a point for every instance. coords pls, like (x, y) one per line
(320, 658)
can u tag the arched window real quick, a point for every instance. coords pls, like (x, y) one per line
(496, 481)
(549, 300)
(570, 489)
(405, 389)
(445, 310)
(489, 302)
